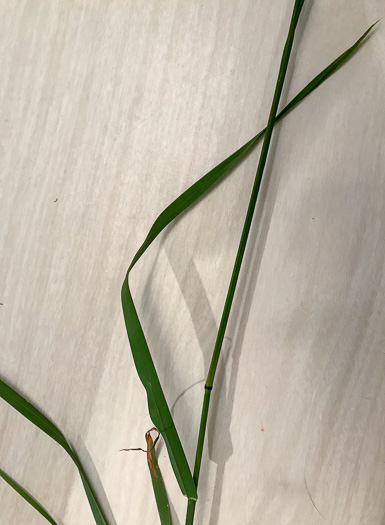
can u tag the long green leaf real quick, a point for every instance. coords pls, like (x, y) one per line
(158, 483)
(205, 183)
(158, 408)
(33, 414)
(30, 499)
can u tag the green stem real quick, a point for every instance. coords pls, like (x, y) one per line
(190, 511)
(241, 251)
(199, 451)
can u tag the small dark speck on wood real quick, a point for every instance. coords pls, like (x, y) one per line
(55, 200)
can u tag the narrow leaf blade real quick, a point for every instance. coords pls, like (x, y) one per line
(214, 176)
(157, 404)
(33, 414)
(28, 498)
(30, 412)
(158, 483)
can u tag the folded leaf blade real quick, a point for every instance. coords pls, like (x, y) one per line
(158, 408)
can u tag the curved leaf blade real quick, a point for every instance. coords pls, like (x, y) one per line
(33, 414)
(205, 183)
(158, 408)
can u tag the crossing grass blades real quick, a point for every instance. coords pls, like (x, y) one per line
(158, 408)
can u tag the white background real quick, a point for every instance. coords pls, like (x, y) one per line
(109, 110)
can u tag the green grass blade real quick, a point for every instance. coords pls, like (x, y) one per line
(96, 507)
(158, 408)
(158, 483)
(30, 412)
(33, 414)
(325, 74)
(205, 183)
(30, 499)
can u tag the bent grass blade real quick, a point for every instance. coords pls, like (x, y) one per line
(158, 408)
(28, 498)
(33, 414)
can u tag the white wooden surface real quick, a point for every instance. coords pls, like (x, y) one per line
(109, 109)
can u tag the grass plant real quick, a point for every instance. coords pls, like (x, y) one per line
(158, 408)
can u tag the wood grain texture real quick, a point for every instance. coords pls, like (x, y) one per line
(109, 109)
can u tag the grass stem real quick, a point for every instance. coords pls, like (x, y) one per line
(241, 251)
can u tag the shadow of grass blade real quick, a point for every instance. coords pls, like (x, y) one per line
(158, 408)
(158, 483)
(28, 498)
(29, 411)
